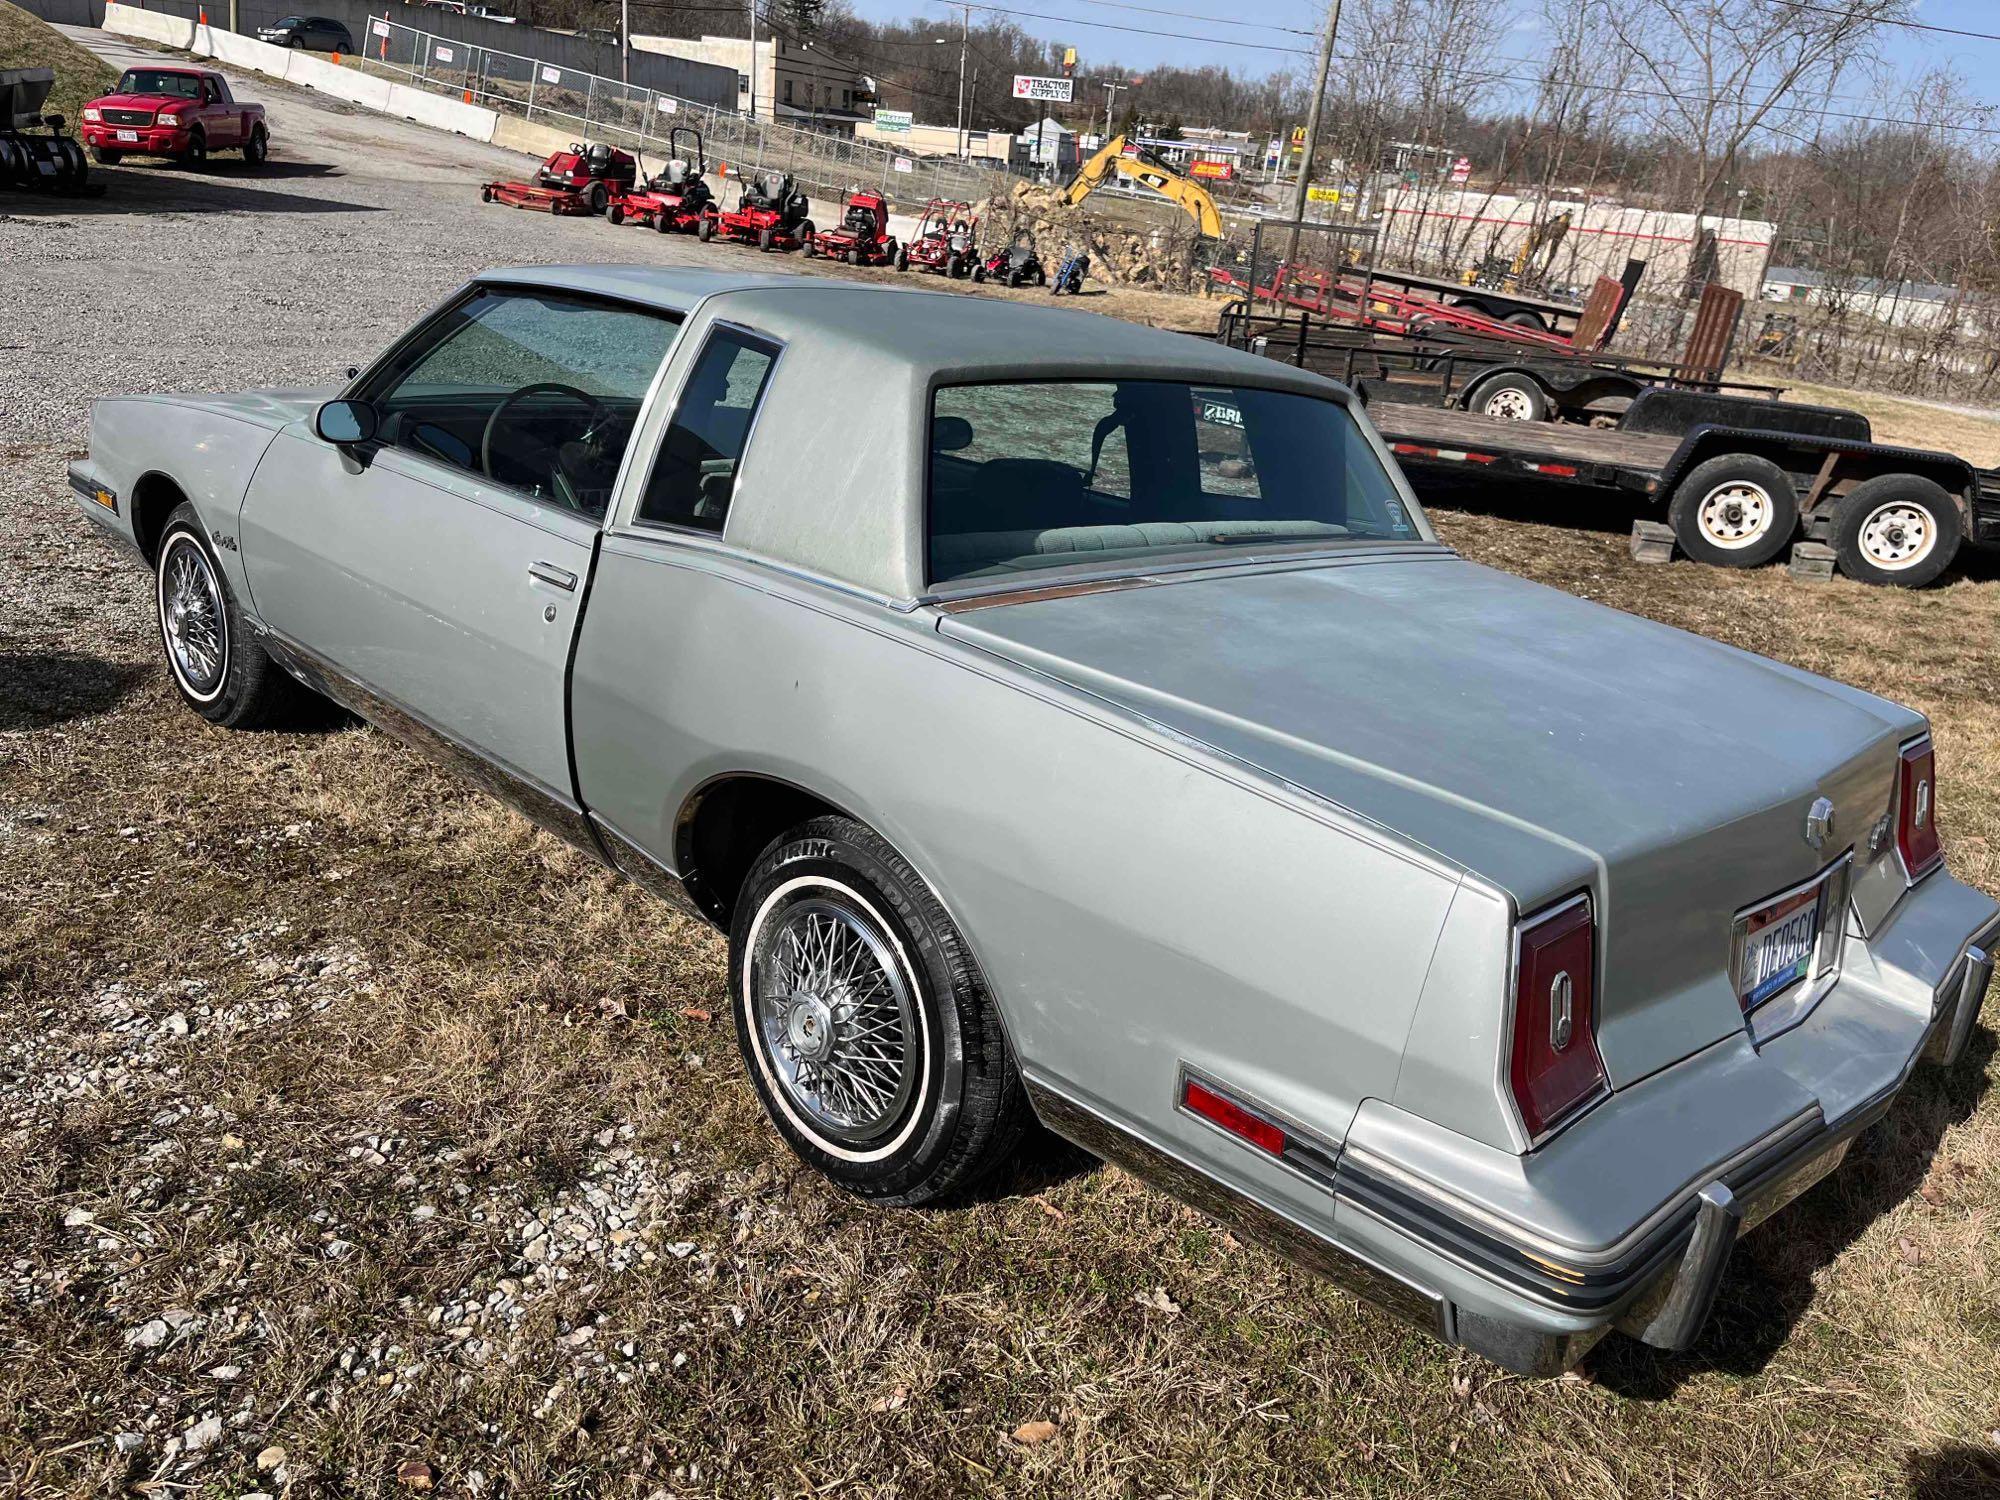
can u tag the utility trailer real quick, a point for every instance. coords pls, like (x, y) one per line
(1735, 495)
(1493, 376)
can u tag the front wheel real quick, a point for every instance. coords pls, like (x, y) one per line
(596, 197)
(864, 1022)
(1735, 511)
(219, 671)
(705, 231)
(106, 158)
(1897, 529)
(257, 148)
(195, 157)
(765, 239)
(615, 214)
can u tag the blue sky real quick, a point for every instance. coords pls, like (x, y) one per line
(1148, 39)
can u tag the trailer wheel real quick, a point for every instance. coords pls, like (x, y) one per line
(1735, 511)
(1517, 398)
(1898, 529)
(1522, 318)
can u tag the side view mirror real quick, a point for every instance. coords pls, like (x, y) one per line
(345, 423)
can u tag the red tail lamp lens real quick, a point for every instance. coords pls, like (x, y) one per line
(1232, 1117)
(1554, 1067)
(1916, 810)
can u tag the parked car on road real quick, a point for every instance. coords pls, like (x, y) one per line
(310, 33)
(1104, 738)
(178, 112)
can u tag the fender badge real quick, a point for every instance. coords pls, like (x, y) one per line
(1819, 822)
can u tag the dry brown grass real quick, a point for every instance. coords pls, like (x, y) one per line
(493, 1003)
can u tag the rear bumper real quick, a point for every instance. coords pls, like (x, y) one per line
(1497, 1258)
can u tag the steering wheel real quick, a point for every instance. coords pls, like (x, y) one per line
(598, 411)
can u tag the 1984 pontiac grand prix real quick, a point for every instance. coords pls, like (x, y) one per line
(1072, 721)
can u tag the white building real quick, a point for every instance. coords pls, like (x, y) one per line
(1901, 304)
(797, 83)
(939, 140)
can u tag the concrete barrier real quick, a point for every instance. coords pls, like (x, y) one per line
(240, 51)
(443, 114)
(151, 25)
(528, 138)
(350, 84)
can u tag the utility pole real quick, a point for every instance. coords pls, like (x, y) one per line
(1312, 116)
(1111, 91)
(624, 40)
(964, 42)
(752, 75)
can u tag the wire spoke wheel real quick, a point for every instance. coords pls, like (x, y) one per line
(1898, 536)
(836, 1018)
(1737, 514)
(191, 619)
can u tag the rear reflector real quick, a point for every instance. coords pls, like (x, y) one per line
(1553, 1065)
(1232, 1117)
(1916, 810)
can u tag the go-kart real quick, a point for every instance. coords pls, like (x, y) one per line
(674, 200)
(771, 215)
(862, 237)
(945, 242)
(580, 180)
(1016, 265)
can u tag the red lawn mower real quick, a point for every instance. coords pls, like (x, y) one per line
(771, 215)
(581, 180)
(862, 238)
(945, 240)
(1016, 264)
(674, 200)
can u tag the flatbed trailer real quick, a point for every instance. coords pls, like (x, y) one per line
(1523, 310)
(1734, 496)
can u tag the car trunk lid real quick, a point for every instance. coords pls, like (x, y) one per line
(1545, 743)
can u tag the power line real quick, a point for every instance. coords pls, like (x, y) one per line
(1851, 15)
(1154, 10)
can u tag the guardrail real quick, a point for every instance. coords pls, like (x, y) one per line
(585, 106)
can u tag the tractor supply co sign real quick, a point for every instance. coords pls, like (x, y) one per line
(893, 121)
(1044, 90)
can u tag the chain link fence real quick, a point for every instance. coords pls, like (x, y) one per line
(588, 107)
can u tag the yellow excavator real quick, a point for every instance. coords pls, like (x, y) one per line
(1141, 168)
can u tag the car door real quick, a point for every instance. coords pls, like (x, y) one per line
(219, 116)
(434, 576)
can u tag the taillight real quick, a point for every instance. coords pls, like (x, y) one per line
(1554, 1065)
(1916, 809)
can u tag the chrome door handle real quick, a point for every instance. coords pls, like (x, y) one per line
(549, 573)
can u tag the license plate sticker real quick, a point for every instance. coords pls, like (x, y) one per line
(128, 135)
(1778, 945)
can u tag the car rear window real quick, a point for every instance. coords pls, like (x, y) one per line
(1037, 475)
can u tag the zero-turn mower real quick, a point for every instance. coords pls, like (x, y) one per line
(34, 152)
(1015, 265)
(771, 215)
(580, 180)
(674, 200)
(862, 237)
(945, 242)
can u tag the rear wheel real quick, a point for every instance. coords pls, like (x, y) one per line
(1735, 511)
(218, 669)
(1897, 529)
(106, 158)
(864, 1022)
(256, 148)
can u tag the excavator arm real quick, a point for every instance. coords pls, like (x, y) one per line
(1147, 171)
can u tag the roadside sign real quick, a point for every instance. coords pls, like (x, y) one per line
(1221, 171)
(1044, 90)
(1298, 135)
(893, 121)
(551, 75)
(669, 106)
(1461, 170)
(443, 54)
(1315, 193)
(903, 164)
(378, 28)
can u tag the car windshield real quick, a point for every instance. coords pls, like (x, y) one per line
(158, 81)
(288, 21)
(1050, 474)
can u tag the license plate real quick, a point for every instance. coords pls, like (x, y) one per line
(128, 135)
(1778, 945)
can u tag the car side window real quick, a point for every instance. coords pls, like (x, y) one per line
(694, 476)
(532, 388)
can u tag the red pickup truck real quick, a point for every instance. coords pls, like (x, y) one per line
(184, 113)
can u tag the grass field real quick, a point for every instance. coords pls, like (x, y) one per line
(27, 41)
